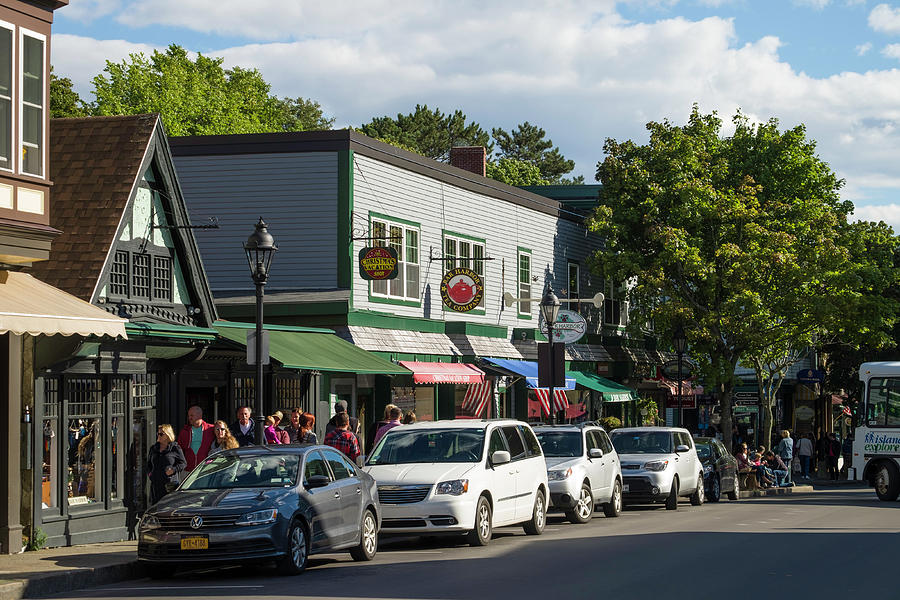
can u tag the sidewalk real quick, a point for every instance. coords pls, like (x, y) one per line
(45, 572)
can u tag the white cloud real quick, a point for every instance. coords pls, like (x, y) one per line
(889, 213)
(885, 19)
(863, 49)
(891, 51)
(81, 58)
(816, 4)
(87, 11)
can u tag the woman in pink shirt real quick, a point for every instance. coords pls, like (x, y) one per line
(272, 436)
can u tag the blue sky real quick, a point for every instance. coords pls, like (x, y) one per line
(583, 70)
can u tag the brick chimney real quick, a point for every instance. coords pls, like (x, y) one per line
(469, 158)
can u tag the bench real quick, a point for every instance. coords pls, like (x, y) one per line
(747, 479)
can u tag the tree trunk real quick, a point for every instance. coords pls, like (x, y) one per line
(766, 438)
(725, 405)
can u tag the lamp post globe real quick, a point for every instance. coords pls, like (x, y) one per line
(549, 308)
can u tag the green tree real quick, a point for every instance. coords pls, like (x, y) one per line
(64, 100)
(199, 97)
(527, 144)
(515, 172)
(428, 132)
(745, 237)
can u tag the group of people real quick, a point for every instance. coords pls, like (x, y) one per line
(172, 457)
(774, 468)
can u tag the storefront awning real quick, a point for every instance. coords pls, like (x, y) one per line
(312, 349)
(612, 391)
(527, 369)
(436, 372)
(28, 305)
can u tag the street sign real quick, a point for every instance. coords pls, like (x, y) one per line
(251, 347)
(568, 329)
(558, 359)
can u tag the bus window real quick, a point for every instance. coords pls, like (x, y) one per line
(883, 403)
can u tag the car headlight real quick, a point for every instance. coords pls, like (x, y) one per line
(559, 475)
(259, 517)
(457, 487)
(656, 465)
(149, 522)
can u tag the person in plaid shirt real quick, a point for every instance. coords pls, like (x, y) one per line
(342, 438)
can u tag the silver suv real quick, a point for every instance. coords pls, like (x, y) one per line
(583, 470)
(659, 464)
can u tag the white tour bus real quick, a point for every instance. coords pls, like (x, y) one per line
(877, 439)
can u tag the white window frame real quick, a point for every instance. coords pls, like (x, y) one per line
(616, 294)
(403, 265)
(519, 254)
(470, 261)
(13, 81)
(23, 33)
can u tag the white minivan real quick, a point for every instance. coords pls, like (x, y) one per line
(460, 476)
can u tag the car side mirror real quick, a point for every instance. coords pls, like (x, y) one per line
(317, 481)
(500, 457)
(361, 461)
(595, 453)
(682, 448)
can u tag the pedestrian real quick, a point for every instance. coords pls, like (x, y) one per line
(342, 438)
(164, 463)
(821, 440)
(293, 428)
(243, 428)
(393, 421)
(805, 447)
(223, 439)
(847, 452)
(409, 418)
(341, 407)
(832, 452)
(307, 425)
(779, 469)
(785, 450)
(283, 436)
(271, 436)
(374, 427)
(195, 438)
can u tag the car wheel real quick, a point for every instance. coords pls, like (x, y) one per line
(368, 538)
(535, 525)
(613, 508)
(481, 535)
(297, 552)
(584, 508)
(699, 494)
(160, 571)
(672, 500)
(887, 482)
(735, 494)
(715, 489)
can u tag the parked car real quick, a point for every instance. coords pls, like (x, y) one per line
(280, 503)
(583, 470)
(719, 469)
(659, 464)
(460, 476)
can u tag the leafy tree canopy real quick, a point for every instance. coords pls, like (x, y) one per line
(64, 100)
(526, 143)
(515, 172)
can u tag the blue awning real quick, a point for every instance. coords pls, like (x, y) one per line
(527, 369)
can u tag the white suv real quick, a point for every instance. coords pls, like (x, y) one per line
(460, 476)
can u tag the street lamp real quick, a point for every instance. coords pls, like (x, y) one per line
(550, 310)
(679, 341)
(260, 249)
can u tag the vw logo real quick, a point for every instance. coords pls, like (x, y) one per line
(197, 522)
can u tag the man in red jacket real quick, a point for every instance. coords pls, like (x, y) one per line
(195, 438)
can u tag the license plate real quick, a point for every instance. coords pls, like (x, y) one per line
(625, 488)
(195, 542)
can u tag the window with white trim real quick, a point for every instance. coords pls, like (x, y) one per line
(524, 279)
(31, 103)
(615, 307)
(464, 252)
(7, 45)
(404, 239)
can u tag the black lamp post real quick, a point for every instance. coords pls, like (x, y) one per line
(679, 340)
(260, 248)
(550, 310)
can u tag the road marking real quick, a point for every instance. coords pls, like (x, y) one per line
(411, 552)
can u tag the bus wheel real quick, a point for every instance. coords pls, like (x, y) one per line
(887, 481)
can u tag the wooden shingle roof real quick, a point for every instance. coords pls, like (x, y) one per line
(94, 164)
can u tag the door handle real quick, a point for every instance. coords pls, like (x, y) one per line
(512, 472)
(337, 494)
(358, 490)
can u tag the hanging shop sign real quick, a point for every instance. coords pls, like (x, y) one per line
(462, 289)
(569, 327)
(670, 370)
(379, 262)
(811, 376)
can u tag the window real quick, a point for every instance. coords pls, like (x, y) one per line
(514, 440)
(534, 447)
(496, 443)
(574, 281)
(315, 465)
(6, 95)
(464, 252)
(593, 440)
(162, 278)
(118, 275)
(31, 105)
(883, 403)
(615, 309)
(338, 466)
(524, 281)
(140, 275)
(404, 239)
(605, 444)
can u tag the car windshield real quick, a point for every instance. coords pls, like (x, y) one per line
(224, 471)
(401, 446)
(642, 442)
(560, 443)
(704, 451)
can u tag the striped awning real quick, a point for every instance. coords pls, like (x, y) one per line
(560, 400)
(477, 396)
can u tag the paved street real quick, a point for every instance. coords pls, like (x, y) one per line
(824, 545)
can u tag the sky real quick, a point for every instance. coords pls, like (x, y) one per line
(583, 70)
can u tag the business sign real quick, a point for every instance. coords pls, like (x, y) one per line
(378, 262)
(688, 400)
(569, 327)
(462, 289)
(810, 376)
(671, 370)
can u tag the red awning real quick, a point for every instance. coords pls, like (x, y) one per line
(434, 372)
(687, 389)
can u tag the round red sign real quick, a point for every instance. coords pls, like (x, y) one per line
(461, 289)
(379, 262)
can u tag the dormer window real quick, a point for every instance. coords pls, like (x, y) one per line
(141, 276)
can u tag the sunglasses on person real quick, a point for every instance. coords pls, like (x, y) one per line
(159, 433)
(221, 429)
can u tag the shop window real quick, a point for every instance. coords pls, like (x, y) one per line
(50, 471)
(6, 95)
(404, 239)
(84, 397)
(464, 252)
(118, 396)
(524, 281)
(32, 104)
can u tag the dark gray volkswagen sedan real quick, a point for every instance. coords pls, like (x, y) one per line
(279, 503)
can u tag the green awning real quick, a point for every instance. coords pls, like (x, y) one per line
(612, 391)
(172, 332)
(312, 349)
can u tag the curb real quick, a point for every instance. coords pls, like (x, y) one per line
(780, 491)
(75, 579)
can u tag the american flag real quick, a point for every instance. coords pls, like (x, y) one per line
(560, 401)
(477, 397)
